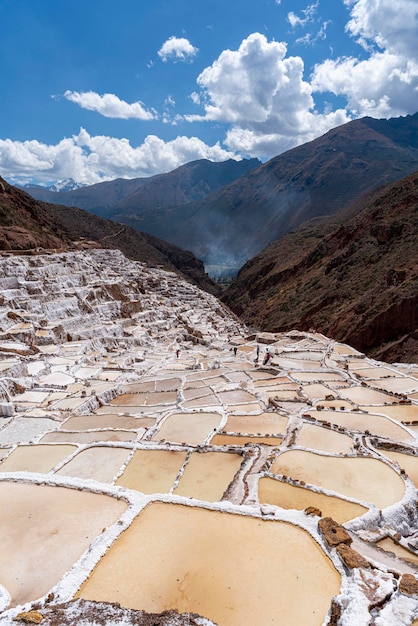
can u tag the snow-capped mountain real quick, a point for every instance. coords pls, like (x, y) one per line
(67, 184)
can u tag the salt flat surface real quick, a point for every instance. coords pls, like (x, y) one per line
(139, 421)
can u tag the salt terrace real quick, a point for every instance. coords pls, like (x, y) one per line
(153, 462)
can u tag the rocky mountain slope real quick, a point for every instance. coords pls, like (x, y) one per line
(228, 212)
(355, 279)
(27, 224)
(316, 179)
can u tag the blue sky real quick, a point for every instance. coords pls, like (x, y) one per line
(98, 89)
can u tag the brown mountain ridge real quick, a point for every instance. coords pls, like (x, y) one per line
(354, 278)
(27, 224)
(226, 213)
(115, 198)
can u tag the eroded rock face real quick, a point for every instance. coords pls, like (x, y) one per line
(350, 557)
(333, 533)
(409, 585)
(355, 281)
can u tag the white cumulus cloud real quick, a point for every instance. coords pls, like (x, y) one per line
(91, 159)
(308, 15)
(110, 105)
(177, 49)
(384, 84)
(262, 93)
(271, 105)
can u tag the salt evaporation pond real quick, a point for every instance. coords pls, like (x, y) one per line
(190, 428)
(207, 475)
(376, 424)
(153, 471)
(287, 496)
(36, 458)
(47, 529)
(407, 462)
(96, 463)
(391, 546)
(265, 423)
(215, 564)
(89, 437)
(242, 440)
(323, 439)
(401, 412)
(345, 476)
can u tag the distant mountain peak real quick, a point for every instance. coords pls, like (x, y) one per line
(67, 184)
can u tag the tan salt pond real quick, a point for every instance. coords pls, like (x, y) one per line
(343, 348)
(161, 397)
(400, 412)
(152, 471)
(128, 410)
(197, 392)
(130, 399)
(253, 407)
(241, 440)
(89, 437)
(338, 404)
(295, 364)
(69, 404)
(233, 569)
(87, 422)
(312, 354)
(364, 395)
(58, 379)
(109, 376)
(167, 384)
(283, 395)
(3, 453)
(204, 401)
(414, 430)
(47, 525)
(391, 546)
(360, 478)
(31, 397)
(316, 391)
(375, 424)
(96, 463)
(266, 423)
(398, 384)
(36, 458)
(207, 475)
(142, 387)
(289, 389)
(373, 372)
(317, 376)
(236, 396)
(281, 381)
(406, 462)
(271, 491)
(189, 428)
(194, 384)
(324, 439)
(87, 372)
